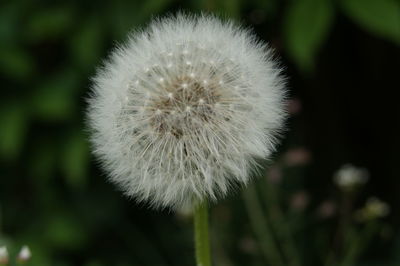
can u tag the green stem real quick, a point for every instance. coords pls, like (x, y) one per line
(202, 240)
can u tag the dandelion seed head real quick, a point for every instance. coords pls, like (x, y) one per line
(349, 176)
(196, 119)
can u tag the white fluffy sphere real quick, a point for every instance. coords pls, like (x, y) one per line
(181, 112)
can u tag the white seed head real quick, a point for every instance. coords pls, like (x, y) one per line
(200, 131)
(24, 254)
(349, 176)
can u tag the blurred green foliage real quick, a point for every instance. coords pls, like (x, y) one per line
(307, 25)
(54, 197)
(378, 17)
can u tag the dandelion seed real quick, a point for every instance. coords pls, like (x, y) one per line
(196, 147)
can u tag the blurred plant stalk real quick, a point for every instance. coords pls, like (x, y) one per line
(348, 179)
(349, 241)
(261, 227)
(280, 225)
(272, 228)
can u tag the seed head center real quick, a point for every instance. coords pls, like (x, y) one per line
(188, 103)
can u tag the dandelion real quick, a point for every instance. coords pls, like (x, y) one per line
(182, 111)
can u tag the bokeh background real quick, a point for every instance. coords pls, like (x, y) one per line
(342, 61)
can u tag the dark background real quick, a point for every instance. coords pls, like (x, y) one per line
(342, 61)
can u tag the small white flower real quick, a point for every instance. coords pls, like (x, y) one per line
(24, 254)
(197, 133)
(4, 257)
(349, 176)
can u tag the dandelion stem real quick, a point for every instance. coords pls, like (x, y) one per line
(202, 240)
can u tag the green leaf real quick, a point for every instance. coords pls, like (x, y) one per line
(13, 129)
(231, 8)
(65, 232)
(75, 160)
(222, 8)
(87, 43)
(306, 26)
(54, 100)
(42, 161)
(15, 62)
(380, 17)
(122, 19)
(50, 23)
(9, 17)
